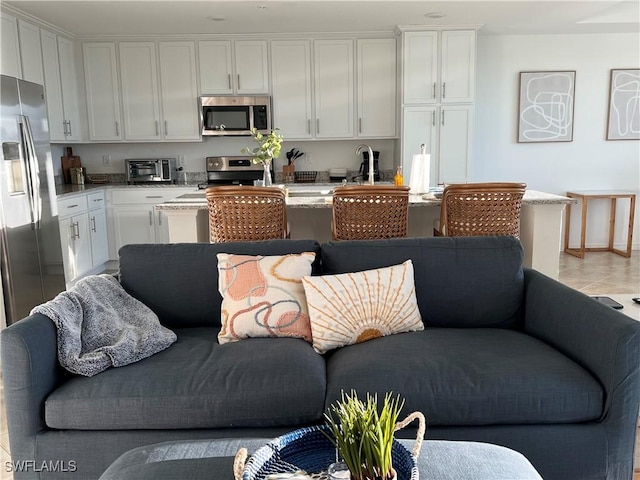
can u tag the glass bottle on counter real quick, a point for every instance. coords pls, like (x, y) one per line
(398, 180)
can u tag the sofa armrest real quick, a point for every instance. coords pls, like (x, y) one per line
(30, 372)
(603, 341)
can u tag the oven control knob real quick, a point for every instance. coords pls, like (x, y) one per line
(216, 163)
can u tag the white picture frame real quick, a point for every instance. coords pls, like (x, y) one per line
(546, 106)
(623, 122)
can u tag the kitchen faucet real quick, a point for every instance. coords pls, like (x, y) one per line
(358, 150)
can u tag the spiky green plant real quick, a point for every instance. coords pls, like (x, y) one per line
(363, 434)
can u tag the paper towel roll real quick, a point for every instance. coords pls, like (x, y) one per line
(420, 171)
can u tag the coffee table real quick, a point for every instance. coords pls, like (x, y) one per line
(213, 459)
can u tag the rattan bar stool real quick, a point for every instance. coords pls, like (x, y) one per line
(245, 213)
(369, 212)
(480, 209)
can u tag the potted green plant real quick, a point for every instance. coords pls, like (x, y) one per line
(268, 148)
(363, 434)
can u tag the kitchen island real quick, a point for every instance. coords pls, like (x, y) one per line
(309, 212)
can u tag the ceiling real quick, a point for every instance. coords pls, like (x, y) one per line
(99, 18)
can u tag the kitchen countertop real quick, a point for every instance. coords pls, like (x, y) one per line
(304, 197)
(69, 190)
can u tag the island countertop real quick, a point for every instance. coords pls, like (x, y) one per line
(320, 197)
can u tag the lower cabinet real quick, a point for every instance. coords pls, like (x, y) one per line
(135, 219)
(83, 235)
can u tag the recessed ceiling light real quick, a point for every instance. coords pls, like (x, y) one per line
(434, 15)
(217, 18)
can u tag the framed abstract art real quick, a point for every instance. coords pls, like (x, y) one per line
(545, 111)
(624, 105)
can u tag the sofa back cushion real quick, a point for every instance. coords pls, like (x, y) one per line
(460, 282)
(179, 282)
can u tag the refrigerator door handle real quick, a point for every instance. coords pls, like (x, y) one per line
(33, 172)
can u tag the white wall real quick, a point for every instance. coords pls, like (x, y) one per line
(590, 162)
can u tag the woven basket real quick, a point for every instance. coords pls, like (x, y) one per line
(305, 177)
(310, 450)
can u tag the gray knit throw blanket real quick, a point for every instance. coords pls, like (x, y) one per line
(100, 325)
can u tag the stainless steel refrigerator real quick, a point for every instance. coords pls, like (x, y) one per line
(30, 251)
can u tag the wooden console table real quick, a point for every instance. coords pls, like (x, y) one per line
(585, 196)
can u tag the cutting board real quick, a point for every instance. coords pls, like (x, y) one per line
(68, 161)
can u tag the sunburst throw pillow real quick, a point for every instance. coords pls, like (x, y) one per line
(351, 308)
(263, 296)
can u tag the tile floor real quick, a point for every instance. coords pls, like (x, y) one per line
(599, 273)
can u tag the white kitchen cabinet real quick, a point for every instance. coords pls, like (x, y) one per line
(447, 133)
(74, 237)
(98, 228)
(140, 101)
(10, 57)
(376, 86)
(458, 66)
(83, 234)
(179, 91)
(61, 92)
(135, 219)
(159, 103)
(238, 67)
(30, 52)
(103, 91)
(419, 67)
(291, 87)
(333, 92)
(454, 82)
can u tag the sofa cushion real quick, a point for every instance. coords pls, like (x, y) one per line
(460, 282)
(179, 282)
(355, 307)
(263, 296)
(198, 383)
(483, 376)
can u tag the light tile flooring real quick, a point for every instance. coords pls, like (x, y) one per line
(599, 273)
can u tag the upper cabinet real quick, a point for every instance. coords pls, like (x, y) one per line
(423, 51)
(376, 87)
(10, 58)
(333, 92)
(60, 85)
(238, 67)
(159, 103)
(103, 92)
(291, 87)
(30, 52)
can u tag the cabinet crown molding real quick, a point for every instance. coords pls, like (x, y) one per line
(435, 28)
(21, 15)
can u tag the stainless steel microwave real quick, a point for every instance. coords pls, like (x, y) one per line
(233, 115)
(144, 170)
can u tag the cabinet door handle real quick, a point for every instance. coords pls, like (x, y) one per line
(433, 118)
(360, 125)
(166, 127)
(309, 126)
(157, 129)
(117, 129)
(229, 80)
(434, 89)
(69, 125)
(72, 206)
(73, 231)
(76, 227)
(150, 218)
(317, 125)
(442, 117)
(238, 81)
(93, 224)
(444, 86)
(160, 218)
(153, 196)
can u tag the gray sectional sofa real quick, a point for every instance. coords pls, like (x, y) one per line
(508, 356)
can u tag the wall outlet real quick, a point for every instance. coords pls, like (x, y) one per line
(181, 160)
(106, 160)
(307, 158)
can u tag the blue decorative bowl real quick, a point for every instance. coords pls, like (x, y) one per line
(310, 450)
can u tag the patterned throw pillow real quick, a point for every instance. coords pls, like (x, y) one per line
(355, 307)
(263, 296)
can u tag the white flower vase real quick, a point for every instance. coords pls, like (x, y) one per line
(267, 181)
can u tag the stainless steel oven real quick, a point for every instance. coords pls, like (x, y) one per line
(233, 170)
(233, 115)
